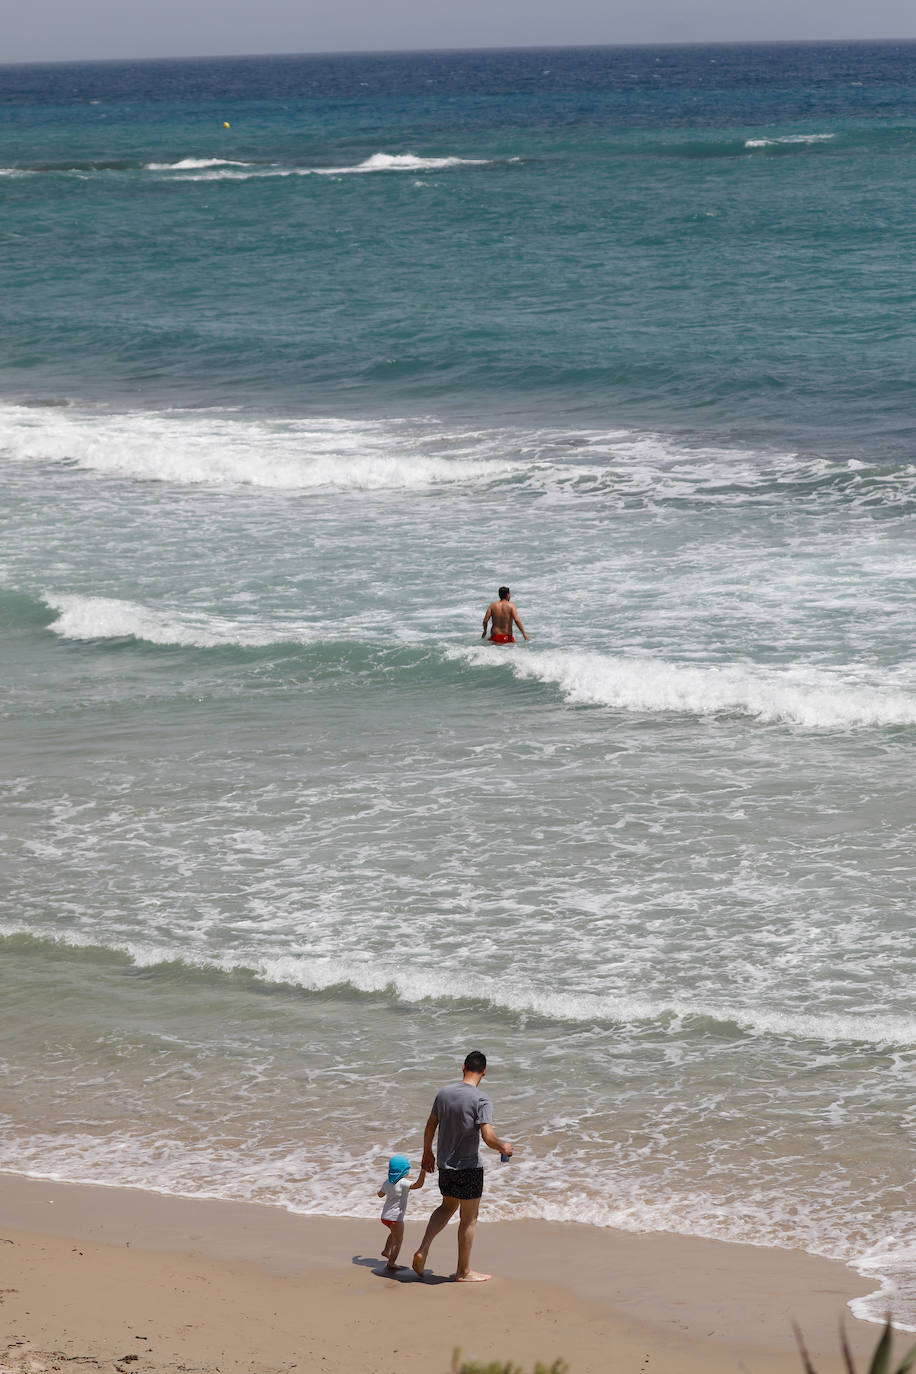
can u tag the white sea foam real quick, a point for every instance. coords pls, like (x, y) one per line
(193, 164)
(285, 1178)
(218, 450)
(597, 1194)
(585, 1008)
(99, 617)
(403, 162)
(372, 976)
(788, 139)
(813, 698)
(229, 174)
(224, 169)
(892, 1263)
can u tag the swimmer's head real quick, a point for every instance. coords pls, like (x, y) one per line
(504, 593)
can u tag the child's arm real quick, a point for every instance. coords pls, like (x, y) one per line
(420, 1181)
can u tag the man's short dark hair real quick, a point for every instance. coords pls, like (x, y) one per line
(476, 1062)
(504, 596)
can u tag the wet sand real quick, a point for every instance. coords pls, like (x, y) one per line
(107, 1278)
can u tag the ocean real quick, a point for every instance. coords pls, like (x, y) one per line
(301, 358)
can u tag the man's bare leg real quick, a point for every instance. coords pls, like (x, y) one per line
(438, 1221)
(467, 1225)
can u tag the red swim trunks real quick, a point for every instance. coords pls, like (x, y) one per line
(387, 1223)
(497, 638)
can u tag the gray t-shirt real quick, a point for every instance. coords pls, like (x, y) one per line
(461, 1109)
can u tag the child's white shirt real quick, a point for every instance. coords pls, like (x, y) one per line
(396, 1196)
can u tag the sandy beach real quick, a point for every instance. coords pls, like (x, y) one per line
(103, 1276)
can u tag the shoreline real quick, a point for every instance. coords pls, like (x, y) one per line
(97, 1274)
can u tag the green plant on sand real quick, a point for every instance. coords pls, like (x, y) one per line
(880, 1360)
(460, 1366)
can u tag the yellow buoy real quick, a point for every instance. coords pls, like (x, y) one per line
(226, 124)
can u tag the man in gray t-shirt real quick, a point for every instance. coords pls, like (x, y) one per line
(461, 1110)
(461, 1114)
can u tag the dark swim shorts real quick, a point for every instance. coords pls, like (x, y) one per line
(463, 1184)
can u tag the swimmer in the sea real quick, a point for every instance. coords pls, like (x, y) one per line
(502, 617)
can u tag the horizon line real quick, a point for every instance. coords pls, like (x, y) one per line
(455, 51)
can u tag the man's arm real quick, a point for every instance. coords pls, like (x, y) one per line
(428, 1162)
(490, 1138)
(518, 622)
(486, 619)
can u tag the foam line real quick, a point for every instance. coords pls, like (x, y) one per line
(99, 617)
(788, 140)
(325, 974)
(402, 162)
(815, 699)
(217, 449)
(189, 164)
(216, 168)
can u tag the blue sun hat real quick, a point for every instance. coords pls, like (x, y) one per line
(398, 1166)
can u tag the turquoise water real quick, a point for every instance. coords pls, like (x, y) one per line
(281, 404)
(717, 240)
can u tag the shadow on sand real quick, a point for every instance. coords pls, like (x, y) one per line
(402, 1275)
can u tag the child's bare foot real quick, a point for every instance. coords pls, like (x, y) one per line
(391, 1266)
(418, 1265)
(472, 1277)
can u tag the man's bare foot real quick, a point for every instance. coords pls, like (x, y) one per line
(418, 1265)
(472, 1277)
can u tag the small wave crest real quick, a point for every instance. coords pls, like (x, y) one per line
(217, 169)
(617, 467)
(99, 617)
(217, 449)
(788, 140)
(190, 169)
(892, 1263)
(371, 978)
(403, 162)
(813, 699)
(193, 164)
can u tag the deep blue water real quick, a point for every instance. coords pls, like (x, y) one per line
(719, 240)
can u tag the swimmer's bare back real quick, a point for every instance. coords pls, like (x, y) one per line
(503, 618)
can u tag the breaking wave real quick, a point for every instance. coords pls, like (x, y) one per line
(373, 977)
(223, 449)
(808, 697)
(788, 140)
(99, 617)
(220, 450)
(193, 164)
(217, 169)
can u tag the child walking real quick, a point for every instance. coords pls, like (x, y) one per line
(396, 1190)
